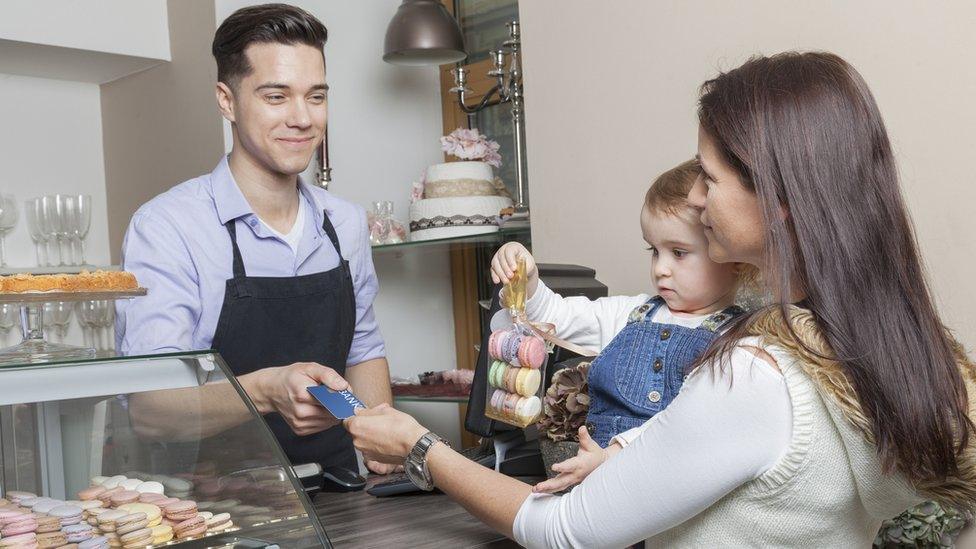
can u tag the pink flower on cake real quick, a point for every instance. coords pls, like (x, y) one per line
(469, 144)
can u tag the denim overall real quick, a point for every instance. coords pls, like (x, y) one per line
(639, 373)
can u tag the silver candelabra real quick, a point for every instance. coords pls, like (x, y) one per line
(508, 89)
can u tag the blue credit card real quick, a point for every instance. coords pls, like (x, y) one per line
(341, 404)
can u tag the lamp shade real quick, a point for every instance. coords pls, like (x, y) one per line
(422, 32)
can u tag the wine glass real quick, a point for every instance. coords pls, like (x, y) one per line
(59, 314)
(87, 315)
(33, 210)
(9, 314)
(8, 220)
(83, 210)
(50, 223)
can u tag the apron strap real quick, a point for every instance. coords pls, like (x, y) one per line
(330, 230)
(239, 271)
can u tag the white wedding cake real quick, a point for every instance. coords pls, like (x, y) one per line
(459, 199)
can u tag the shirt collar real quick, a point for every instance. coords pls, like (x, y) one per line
(231, 204)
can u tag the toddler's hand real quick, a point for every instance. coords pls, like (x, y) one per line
(574, 470)
(505, 262)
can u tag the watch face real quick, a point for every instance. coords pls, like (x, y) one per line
(415, 473)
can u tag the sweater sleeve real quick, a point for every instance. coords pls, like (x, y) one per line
(580, 320)
(714, 437)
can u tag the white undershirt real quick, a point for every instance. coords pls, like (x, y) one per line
(663, 315)
(294, 236)
(712, 438)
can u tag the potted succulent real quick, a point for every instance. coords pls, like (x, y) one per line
(564, 411)
(925, 525)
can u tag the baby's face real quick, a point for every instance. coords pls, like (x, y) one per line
(682, 273)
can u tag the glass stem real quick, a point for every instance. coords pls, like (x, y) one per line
(3, 249)
(81, 242)
(32, 321)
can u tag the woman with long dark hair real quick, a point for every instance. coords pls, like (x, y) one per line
(842, 404)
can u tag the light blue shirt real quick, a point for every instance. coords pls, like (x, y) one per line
(178, 248)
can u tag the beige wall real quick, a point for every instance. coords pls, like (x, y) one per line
(610, 102)
(161, 126)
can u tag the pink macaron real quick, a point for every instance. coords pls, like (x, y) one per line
(181, 511)
(125, 496)
(510, 347)
(91, 493)
(496, 399)
(20, 525)
(151, 497)
(532, 352)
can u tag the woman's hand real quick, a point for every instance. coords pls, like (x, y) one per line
(574, 470)
(384, 434)
(505, 262)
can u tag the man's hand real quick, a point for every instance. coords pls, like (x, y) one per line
(284, 389)
(505, 262)
(379, 467)
(574, 470)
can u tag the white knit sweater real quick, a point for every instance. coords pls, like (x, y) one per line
(827, 491)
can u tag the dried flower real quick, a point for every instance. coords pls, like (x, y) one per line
(468, 144)
(566, 402)
(925, 525)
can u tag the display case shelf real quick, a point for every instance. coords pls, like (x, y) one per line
(499, 237)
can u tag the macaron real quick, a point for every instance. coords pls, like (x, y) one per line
(50, 540)
(69, 514)
(106, 496)
(496, 399)
(161, 534)
(16, 495)
(150, 497)
(97, 481)
(181, 511)
(90, 493)
(528, 409)
(7, 516)
(510, 403)
(164, 502)
(495, 344)
(130, 483)
(125, 496)
(45, 505)
(508, 382)
(149, 487)
(113, 482)
(77, 533)
(106, 520)
(224, 505)
(137, 538)
(193, 527)
(20, 540)
(527, 382)
(22, 524)
(495, 373)
(177, 486)
(97, 542)
(219, 522)
(532, 352)
(152, 512)
(130, 523)
(48, 524)
(510, 347)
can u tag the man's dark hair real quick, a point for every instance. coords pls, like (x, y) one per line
(265, 23)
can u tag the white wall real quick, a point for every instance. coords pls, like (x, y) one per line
(384, 124)
(51, 142)
(123, 27)
(606, 118)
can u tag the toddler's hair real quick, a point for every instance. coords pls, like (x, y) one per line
(669, 192)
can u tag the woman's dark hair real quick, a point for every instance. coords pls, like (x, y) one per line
(804, 133)
(278, 23)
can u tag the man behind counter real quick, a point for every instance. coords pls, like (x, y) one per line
(274, 274)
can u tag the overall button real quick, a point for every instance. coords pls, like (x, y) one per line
(643, 308)
(658, 365)
(665, 334)
(654, 396)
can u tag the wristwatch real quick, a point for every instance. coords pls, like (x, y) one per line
(416, 463)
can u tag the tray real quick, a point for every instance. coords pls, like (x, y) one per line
(85, 295)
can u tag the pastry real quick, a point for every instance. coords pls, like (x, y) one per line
(151, 497)
(21, 524)
(151, 487)
(510, 347)
(528, 409)
(50, 540)
(193, 527)
(527, 381)
(16, 496)
(84, 281)
(181, 511)
(125, 496)
(153, 513)
(48, 524)
(137, 538)
(510, 403)
(532, 352)
(496, 399)
(44, 505)
(77, 533)
(106, 520)
(495, 344)
(113, 482)
(219, 522)
(20, 540)
(496, 367)
(97, 542)
(161, 534)
(69, 514)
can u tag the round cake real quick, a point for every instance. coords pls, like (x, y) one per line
(460, 199)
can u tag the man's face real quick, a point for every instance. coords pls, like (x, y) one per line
(279, 109)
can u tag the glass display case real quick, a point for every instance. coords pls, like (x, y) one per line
(177, 424)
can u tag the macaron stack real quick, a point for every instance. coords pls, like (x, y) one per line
(515, 376)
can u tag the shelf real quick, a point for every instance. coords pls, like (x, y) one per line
(416, 398)
(503, 235)
(84, 295)
(62, 269)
